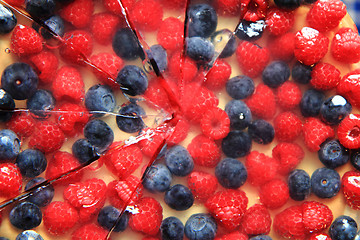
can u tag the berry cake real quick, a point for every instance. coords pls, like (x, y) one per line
(200, 120)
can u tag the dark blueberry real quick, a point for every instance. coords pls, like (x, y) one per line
(99, 134)
(202, 20)
(4, 238)
(9, 145)
(301, 73)
(7, 20)
(29, 234)
(261, 131)
(134, 79)
(276, 73)
(288, 4)
(108, 217)
(199, 49)
(25, 215)
(31, 163)
(240, 87)
(239, 114)
(299, 185)
(158, 53)
(231, 173)
(130, 118)
(179, 161)
(250, 31)
(230, 46)
(355, 158)
(309, 1)
(334, 110)
(158, 178)
(40, 8)
(55, 24)
(343, 228)
(332, 154)
(19, 80)
(236, 144)
(172, 229)
(41, 196)
(41, 103)
(84, 151)
(126, 45)
(261, 237)
(179, 197)
(200, 226)
(311, 103)
(325, 182)
(100, 98)
(7, 105)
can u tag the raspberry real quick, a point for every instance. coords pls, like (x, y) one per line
(59, 217)
(349, 87)
(274, 194)
(287, 126)
(47, 137)
(10, 180)
(156, 95)
(325, 15)
(204, 151)
(228, 7)
(89, 231)
(173, 4)
(203, 185)
(77, 46)
(71, 118)
(325, 76)
(103, 27)
(256, 220)
(180, 132)
(218, 75)
(25, 41)
(319, 236)
(260, 168)
(253, 10)
(22, 124)
(252, 58)
(289, 156)
(228, 207)
(149, 218)
(16, 3)
(345, 46)
(45, 63)
(279, 21)
(143, 18)
(316, 216)
(78, 12)
(348, 131)
(107, 68)
(182, 69)
(215, 123)
(289, 223)
(233, 236)
(288, 95)
(310, 46)
(351, 188)
(315, 133)
(282, 47)
(151, 144)
(68, 85)
(114, 6)
(171, 33)
(262, 103)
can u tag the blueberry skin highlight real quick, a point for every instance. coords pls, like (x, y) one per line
(41, 196)
(202, 20)
(27, 235)
(179, 197)
(9, 145)
(239, 114)
(100, 98)
(172, 229)
(8, 20)
(55, 23)
(25, 215)
(334, 110)
(250, 31)
(200, 226)
(343, 228)
(7, 104)
(109, 215)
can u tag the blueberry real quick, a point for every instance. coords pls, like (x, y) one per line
(134, 79)
(41, 196)
(334, 110)
(7, 105)
(200, 226)
(4, 238)
(240, 87)
(355, 158)
(230, 46)
(84, 151)
(40, 8)
(7, 20)
(250, 31)
(343, 228)
(288, 4)
(108, 217)
(31, 163)
(29, 235)
(332, 154)
(55, 23)
(236, 144)
(126, 45)
(179, 197)
(301, 73)
(179, 161)
(99, 134)
(158, 53)
(9, 145)
(239, 114)
(276, 73)
(158, 178)
(100, 98)
(199, 49)
(261, 237)
(25, 215)
(231, 173)
(172, 229)
(311, 103)
(202, 20)
(130, 118)
(299, 184)
(19, 80)
(261, 131)
(41, 103)
(325, 182)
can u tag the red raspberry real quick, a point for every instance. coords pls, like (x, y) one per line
(182, 69)
(107, 68)
(287, 126)
(204, 151)
(262, 103)
(228, 207)
(325, 76)
(114, 6)
(345, 46)
(10, 180)
(349, 87)
(173, 4)
(156, 95)
(90, 231)
(16, 3)
(143, 18)
(203, 185)
(349, 131)
(319, 236)
(289, 156)
(171, 33)
(282, 47)
(59, 217)
(149, 218)
(68, 85)
(45, 63)
(325, 15)
(77, 46)
(151, 144)
(78, 12)
(256, 220)
(215, 123)
(279, 21)
(71, 118)
(47, 137)
(218, 75)
(274, 194)
(310, 46)
(252, 58)
(253, 10)
(103, 27)
(25, 41)
(180, 132)
(315, 133)
(151, 238)
(228, 7)
(288, 95)
(316, 216)
(289, 223)
(233, 236)
(260, 168)
(22, 124)
(350, 185)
